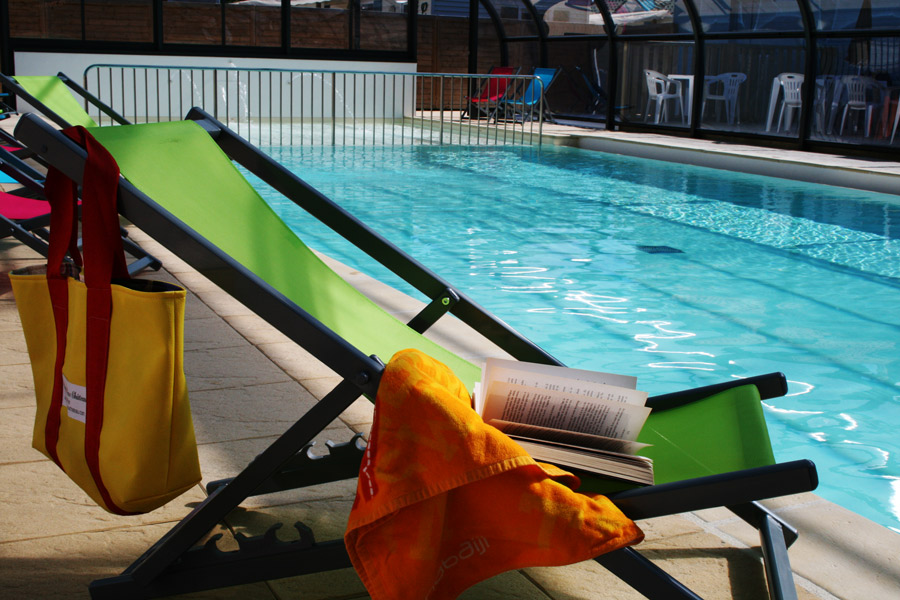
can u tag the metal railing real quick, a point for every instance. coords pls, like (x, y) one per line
(276, 107)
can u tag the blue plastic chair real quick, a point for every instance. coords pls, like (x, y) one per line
(531, 102)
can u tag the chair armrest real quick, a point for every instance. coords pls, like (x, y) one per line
(726, 489)
(771, 385)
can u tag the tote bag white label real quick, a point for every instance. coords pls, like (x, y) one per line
(75, 400)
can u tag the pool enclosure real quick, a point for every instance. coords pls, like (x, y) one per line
(815, 74)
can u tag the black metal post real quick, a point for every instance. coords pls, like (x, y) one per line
(807, 92)
(699, 68)
(286, 26)
(6, 54)
(157, 25)
(412, 31)
(473, 38)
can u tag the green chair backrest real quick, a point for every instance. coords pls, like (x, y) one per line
(57, 96)
(721, 433)
(180, 167)
(718, 434)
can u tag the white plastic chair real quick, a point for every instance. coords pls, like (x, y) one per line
(859, 100)
(730, 95)
(660, 89)
(791, 84)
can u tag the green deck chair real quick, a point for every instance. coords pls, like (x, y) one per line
(52, 96)
(711, 448)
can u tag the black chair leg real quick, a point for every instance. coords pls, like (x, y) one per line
(775, 537)
(144, 259)
(775, 557)
(644, 576)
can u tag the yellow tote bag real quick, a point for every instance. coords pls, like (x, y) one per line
(106, 354)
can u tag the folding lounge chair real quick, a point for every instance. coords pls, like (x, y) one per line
(712, 447)
(531, 103)
(598, 100)
(26, 218)
(492, 91)
(52, 96)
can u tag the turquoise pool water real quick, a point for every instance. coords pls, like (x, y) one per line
(680, 275)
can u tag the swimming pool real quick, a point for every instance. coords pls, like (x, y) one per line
(683, 276)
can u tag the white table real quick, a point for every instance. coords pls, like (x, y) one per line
(689, 80)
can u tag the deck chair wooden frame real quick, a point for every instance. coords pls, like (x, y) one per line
(33, 231)
(175, 564)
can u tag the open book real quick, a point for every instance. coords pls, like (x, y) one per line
(570, 417)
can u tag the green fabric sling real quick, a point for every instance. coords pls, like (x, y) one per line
(179, 166)
(56, 96)
(721, 433)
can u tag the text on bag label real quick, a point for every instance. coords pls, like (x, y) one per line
(75, 400)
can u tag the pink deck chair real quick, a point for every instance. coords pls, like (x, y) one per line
(26, 219)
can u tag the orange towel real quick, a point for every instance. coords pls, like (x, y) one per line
(445, 501)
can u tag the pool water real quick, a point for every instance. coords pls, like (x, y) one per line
(680, 275)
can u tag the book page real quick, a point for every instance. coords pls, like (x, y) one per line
(567, 438)
(499, 369)
(625, 467)
(592, 384)
(606, 416)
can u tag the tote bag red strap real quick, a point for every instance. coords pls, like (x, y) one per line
(61, 192)
(104, 260)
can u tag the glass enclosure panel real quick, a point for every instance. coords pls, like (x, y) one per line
(516, 19)
(444, 45)
(749, 15)
(59, 20)
(489, 51)
(192, 22)
(383, 26)
(639, 17)
(877, 56)
(571, 17)
(656, 82)
(524, 55)
(839, 15)
(739, 81)
(728, 84)
(252, 25)
(578, 90)
(119, 20)
(856, 91)
(313, 27)
(775, 80)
